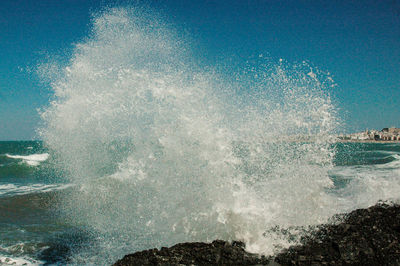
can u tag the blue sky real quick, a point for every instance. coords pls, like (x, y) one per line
(358, 42)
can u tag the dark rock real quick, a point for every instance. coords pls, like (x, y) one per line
(216, 253)
(363, 237)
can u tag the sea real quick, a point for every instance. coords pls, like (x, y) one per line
(36, 231)
(145, 143)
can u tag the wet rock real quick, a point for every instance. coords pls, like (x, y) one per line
(216, 253)
(363, 237)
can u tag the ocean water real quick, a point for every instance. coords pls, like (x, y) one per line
(141, 148)
(36, 229)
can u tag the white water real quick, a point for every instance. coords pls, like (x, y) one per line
(22, 189)
(17, 258)
(165, 152)
(4, 260)
(32, 160)
(368, 184)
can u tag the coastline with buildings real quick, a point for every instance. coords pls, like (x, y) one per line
(385, 135)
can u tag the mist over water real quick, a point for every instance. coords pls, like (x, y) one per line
(163, 152)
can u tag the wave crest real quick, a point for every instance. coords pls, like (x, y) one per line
(32, 160)
(164, 152)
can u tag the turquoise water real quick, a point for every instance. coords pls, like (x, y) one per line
(31, 229)
(366, 153)
(34, 229)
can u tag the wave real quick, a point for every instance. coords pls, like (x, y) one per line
(16, 254)
(32, 160)
(396, 156)
(13, 260)
(164, 151)
(394, 162)
(16, 189)
(359, 186)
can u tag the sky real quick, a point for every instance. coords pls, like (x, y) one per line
(358, 42)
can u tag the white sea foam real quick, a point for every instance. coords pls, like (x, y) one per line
(165, 152)
(395, 163)
(32, 160)
(16, 189)
(11, 260)
(367, 184)
(14, 254)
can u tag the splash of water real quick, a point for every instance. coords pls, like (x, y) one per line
(165, 152)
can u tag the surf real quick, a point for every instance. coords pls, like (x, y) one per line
(32, 159)
(162, 151)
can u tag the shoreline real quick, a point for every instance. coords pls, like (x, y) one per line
(368, 236)
(367, 141)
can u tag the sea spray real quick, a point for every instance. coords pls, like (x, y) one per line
(164, 152)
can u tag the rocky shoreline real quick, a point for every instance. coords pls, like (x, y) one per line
(363, 237)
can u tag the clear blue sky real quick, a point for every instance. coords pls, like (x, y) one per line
(358, 42)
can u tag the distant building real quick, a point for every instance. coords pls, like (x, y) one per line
(390, 133)
(394, 131)
(386, 134)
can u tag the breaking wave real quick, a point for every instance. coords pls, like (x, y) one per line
(32, 160)
(163, 151)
